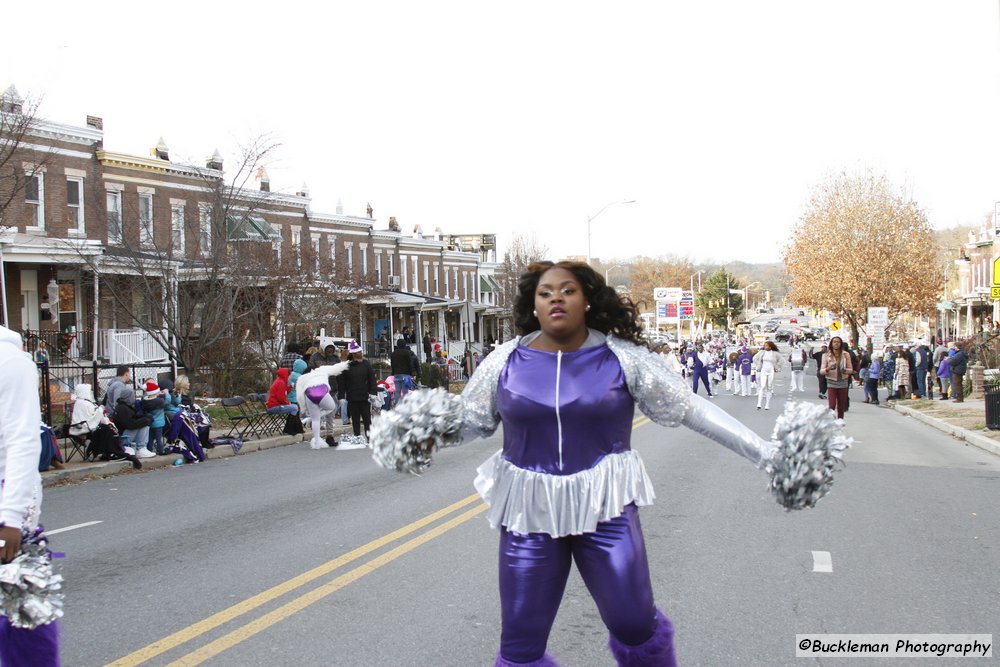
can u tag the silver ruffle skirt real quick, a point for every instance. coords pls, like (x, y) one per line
(525, 501)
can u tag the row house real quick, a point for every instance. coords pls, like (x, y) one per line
(967, 305)
(95, 245)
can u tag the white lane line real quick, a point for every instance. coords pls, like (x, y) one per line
(822, 561)
(69, 528)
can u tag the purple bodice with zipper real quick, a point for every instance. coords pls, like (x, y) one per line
(563, 412)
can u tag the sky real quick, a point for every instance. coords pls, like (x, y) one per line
(718, 119)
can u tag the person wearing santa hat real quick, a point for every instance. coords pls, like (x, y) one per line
(154, 405)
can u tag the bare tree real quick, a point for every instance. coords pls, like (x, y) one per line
(860, 244)
(522, 251)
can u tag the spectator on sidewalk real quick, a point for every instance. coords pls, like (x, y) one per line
(922, 359)
(957, 365)
(940, 352)
(21, 494)
(901, 382)
(944, 377)
(132, 425)
(154, 405)
(119, 385)
(277, 398)
(292, 353)
(873, 377)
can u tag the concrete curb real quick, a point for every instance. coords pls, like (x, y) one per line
(971, 437)
(77, 472)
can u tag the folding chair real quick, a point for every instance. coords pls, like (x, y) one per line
(270, 424)
(237, 414)
(72, 445)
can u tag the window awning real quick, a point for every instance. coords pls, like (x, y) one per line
(484, 284)
(250, 228)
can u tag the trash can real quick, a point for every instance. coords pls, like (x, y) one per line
(992, 399)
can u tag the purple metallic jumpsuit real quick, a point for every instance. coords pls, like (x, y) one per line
(563, 413)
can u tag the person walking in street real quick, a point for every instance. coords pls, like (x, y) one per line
(766, 364)
(957, 365)
(797, 361)
(566, 487)
(401, 365)
(21, 499)
(359, 379)
(837, 369)
(698, 362)
(820, 376)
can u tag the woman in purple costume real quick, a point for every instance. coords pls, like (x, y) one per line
(566, 486)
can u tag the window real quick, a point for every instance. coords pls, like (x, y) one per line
(34, 197)
(297, 247)
(332, 241)
(416, 267)
(364, 258)
(350, 258)
(146, 219)
(74, 205)
(378, 267)
(402, 273)
(114, 206)
(277, 246)
(437, 280)
(205, 230)
(315, 248)
(427, 282)
(389, 260)
(177, 229)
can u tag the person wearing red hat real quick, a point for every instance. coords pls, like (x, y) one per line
(154, 405)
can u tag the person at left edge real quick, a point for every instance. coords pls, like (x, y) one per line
(21, 498)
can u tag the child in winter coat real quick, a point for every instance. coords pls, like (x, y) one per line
(154, 405)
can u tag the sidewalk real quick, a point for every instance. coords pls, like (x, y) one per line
(78, 470)
(966, 420)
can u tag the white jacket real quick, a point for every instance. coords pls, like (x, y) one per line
(20, 439)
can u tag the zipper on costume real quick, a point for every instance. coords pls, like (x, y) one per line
(558, 416)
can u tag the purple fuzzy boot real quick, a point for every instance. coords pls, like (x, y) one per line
(657, 651)
(545, 661)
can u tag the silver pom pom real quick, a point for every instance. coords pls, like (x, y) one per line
(30, 591)
(809, 446)
(405, 437)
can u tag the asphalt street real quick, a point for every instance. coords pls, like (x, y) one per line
(298, 557)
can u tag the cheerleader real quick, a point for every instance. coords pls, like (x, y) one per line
(566, 486)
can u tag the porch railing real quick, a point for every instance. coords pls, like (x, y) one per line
(130, 346)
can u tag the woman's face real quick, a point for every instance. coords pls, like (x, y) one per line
(559, 303)
(835, 344)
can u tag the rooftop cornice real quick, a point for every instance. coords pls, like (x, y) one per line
(154, 165)
(64, 132)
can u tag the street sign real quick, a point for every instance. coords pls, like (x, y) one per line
(667, 294)
(995, 293)
(835, 325)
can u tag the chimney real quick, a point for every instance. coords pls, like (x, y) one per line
(11, 101)
(215, 162)
(303, 191)
(161, 151)
(393, 225)
(95, 122)
(265, 180)
(340, 206)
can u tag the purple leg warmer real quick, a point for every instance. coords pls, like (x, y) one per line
(29, 648)
(657, 651)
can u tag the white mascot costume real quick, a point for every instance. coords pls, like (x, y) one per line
(312, 391)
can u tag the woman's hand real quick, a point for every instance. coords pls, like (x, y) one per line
(11, 543)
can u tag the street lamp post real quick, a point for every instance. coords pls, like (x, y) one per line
(745, 290)
(601, 210)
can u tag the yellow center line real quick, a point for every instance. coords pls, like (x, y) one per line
(641, 421)
(233, 638)
(219, 618)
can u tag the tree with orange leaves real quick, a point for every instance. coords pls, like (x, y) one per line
(861, 243)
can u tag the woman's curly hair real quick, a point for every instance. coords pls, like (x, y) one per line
(610, 313)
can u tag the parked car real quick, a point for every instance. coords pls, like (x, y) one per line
(782, 335)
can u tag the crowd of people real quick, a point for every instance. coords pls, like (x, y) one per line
(901, 371)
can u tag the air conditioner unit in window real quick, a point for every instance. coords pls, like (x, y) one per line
(393, 281)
